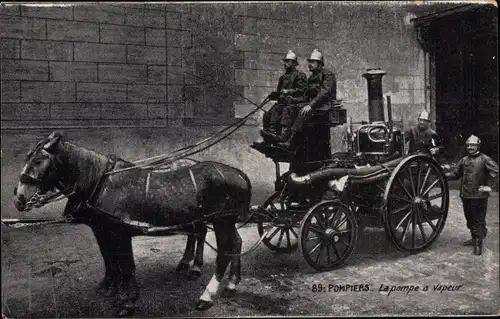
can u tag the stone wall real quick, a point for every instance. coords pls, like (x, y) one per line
(125, 65)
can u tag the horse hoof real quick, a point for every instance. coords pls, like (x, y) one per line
(228, 292)
(111, 291)
(103, 286)
(194, 274)
(182, 267)
(125, 312)
(204, 305)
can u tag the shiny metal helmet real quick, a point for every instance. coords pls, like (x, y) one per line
(290, 56)
(424, 115)
(473, 139)
(316, 56)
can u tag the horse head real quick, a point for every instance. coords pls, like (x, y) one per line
(39, 174)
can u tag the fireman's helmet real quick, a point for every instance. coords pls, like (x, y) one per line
(473, 140)
(424, 115)
(291, 56)
(316, 56)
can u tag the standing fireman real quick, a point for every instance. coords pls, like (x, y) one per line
(422, 138)
(474, 169)
(292, 84)
(321, 91)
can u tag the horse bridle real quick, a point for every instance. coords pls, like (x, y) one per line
(30, 179)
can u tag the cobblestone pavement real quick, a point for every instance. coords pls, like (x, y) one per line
(52, 272)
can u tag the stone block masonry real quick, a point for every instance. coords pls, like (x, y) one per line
(109, 64)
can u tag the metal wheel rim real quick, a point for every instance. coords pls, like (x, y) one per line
(408, 222)
(333, 241)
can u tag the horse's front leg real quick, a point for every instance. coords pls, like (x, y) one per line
(201, 233)
(235, 270)
(223, 234)
(109, 284)
(128, 289)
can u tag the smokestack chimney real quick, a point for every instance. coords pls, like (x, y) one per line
(375, 99)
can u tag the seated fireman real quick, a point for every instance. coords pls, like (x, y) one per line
(278, 120)
(321, 91)
(422, 138)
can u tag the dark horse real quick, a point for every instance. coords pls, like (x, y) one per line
(112, 203)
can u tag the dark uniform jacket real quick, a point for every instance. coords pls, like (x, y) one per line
(422, 141)
(321, 89)
(295, 81)
(475, 171)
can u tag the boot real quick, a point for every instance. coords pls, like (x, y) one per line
(269, 137)
(469, 242)
(285, 134)
(289, 144)
(478, 246)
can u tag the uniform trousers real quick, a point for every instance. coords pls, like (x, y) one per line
(280, 115)
(475, 215)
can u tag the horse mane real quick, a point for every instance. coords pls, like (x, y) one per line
(86, 166)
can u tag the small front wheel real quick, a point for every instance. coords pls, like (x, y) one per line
(282, 230)
(328, 234)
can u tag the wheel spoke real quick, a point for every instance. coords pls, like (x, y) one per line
(403, 235)
(315, 247)
(413, 230)
(332, 218)
(344, 220)
(402, 220)
(321, 221)
(400, 198)
(335, 249)
(411, 181)
(404, 188)
(343, 239)
(343, 231)
(294, 233)
(328, 254)
(422, 231)
(282, 206)
(319, 255)
(419, 175)
(289, 243)
(430, 187)
(280, 238)
(435, 196)
(273, 234)
(336, 219)
(425, 179)
(429, 222)
(325, 217)
(316, 230)
(402, 209)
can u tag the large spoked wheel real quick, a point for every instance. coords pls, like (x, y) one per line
(282, 228)
(328, 234)
(416, 201)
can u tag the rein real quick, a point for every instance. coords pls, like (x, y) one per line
(169, 158)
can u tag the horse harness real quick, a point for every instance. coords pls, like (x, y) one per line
(88, 204)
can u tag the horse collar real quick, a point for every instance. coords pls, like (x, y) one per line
(112, 159)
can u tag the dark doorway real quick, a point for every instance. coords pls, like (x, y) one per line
(464, 52)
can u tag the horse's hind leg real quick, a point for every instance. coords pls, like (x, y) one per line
(188, 254)
(201, 233)
(235, 270)
(222, 230)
